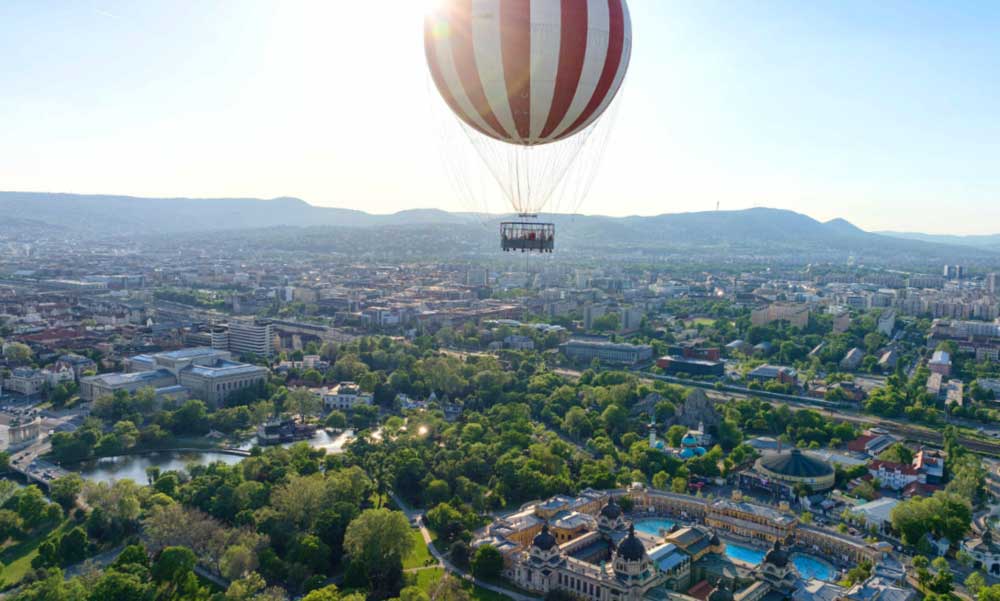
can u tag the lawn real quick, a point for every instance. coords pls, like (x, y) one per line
(425, 579)
(17, 557)
(420, 556)
(699, 321)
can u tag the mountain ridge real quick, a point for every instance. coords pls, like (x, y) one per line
(774, 230)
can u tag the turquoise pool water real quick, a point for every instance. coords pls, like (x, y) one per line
(745, 554)
(807, 566)
(810, 567)
(653, 526)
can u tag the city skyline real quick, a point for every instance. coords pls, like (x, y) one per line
(879, 115)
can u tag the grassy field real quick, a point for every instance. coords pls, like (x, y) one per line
(420, 556)
(697, 321)
(425, 579)
(17, 557)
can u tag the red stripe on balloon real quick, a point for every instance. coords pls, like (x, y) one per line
(612, 63)
(464, 53)
(572, 51)
(515, 44)
(431, 30)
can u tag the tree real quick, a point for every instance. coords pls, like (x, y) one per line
(942, 515)
(65, 490)
(440, 517)
(576, 423)
(302, 499)
(327, 593)
(437, 491)
(413, 593)
(675, 434)
(304, 402)
(11, 525)
(448, 588)
(615, 419)
(487, 562)
(237, 562)
(73, 546)
(975, 582)
(191, 418)
(336, 420)
(173, 563)
(116, 586)
(460, 553)
(897, 453)
(17, 352)
(31, 504)
(376, 542)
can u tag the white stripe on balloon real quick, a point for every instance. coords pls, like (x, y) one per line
(546, 39)
(598, 39)
(486, 41)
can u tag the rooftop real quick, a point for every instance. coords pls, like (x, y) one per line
(224, 368)
(121, 379)
(189, 353)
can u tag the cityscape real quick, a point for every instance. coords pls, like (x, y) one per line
(642, 318)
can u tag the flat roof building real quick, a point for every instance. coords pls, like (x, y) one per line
(607, 352)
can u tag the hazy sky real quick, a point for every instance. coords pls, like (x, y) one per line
(885, 113)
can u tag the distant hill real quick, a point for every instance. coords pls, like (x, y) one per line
(988, 241)
(128, 214)
(756, 232)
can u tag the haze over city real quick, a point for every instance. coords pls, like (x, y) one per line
(882, 115)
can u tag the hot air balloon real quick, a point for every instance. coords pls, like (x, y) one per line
(528, 80)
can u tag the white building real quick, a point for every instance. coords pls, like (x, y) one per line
(344, 397)
(26, 381)
(895, 475)
(251, 338)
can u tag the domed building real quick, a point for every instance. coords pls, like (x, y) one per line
(626, 571)
(782, 472)
(611, 518)
(691, 447)
(777, 570)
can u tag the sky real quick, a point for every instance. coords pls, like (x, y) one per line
(883, 113)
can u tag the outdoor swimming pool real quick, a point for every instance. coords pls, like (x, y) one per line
(653, 526)
(810, 567)
(807, 566)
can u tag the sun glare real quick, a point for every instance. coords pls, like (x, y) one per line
(431, 6)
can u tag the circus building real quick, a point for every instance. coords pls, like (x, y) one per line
(782, 473)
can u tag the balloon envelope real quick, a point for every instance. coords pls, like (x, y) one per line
(528, 72)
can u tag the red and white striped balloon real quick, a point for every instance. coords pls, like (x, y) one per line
(528, 72)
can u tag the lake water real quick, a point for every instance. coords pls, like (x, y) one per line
(333, 443)
(109, 469)
(807, 566)
(653, 526)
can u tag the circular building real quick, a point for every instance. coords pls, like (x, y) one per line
(795, 467)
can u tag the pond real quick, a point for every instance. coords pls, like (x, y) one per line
(333, 443)
(654, 526)
(109, 469)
